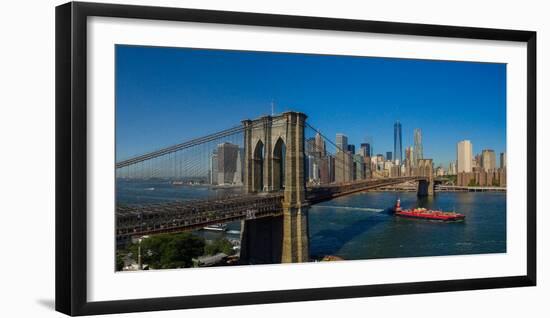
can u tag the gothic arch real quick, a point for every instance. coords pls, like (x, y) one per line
(258, 167)
(278, 157)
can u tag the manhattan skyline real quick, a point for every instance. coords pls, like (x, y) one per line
(168, 95)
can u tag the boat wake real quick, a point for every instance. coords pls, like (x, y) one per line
(349, 208)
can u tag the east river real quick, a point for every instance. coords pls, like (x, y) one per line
(360, 226)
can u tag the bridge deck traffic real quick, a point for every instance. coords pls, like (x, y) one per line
(177, 216)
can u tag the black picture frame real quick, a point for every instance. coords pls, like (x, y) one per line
(71, 157)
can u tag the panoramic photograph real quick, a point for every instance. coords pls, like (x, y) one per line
(228, 158)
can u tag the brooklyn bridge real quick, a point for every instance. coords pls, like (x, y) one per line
(277, 189)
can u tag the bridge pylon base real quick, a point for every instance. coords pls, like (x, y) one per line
(261, 240)
(425, 188)
(295, 234)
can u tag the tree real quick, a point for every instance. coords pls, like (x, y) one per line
(119, 262)
(170, 250)
(221, 245)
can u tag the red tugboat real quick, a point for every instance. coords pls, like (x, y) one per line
(422, 213)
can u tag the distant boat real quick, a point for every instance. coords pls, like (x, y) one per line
(216, 227)
(150, 189)
(177, 182)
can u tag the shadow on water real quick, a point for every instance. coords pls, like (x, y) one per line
(424, 202)
(335, 239)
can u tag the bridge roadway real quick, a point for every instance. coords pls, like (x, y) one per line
(177, 216)
(450, 188)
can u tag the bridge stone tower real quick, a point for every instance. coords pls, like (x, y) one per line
(425, 169)
(274, 161)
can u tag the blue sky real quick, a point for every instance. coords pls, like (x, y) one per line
(169, 95)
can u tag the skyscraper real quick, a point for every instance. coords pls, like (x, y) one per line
(324, 170)
(502, 160)
(239, 176)
(320, 145)
(418, 150)
(214, 167)
(228, 159)
(359, 165)
(341, 142)
(452, 168)
(343, 167)
(310, 146)
(477, 161)
(351, 149)
(397, 143)
(388, 156)
(365, 149)
(488, 160)
(409, 155)
(464, 156)
(309, 160)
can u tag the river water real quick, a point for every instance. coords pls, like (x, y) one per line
(360, 226)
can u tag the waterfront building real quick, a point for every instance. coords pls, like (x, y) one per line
(397, 143)
(464, 156)
(502, 160)
(389, 155)
(418, 148)
(464, 178)
(341, 142)
(488, 160)
(482, 178)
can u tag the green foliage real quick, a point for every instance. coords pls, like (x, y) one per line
(452, 179)
(495, 183)
(119, 262)
(221, 245)
(473, 183)
(169, 250)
